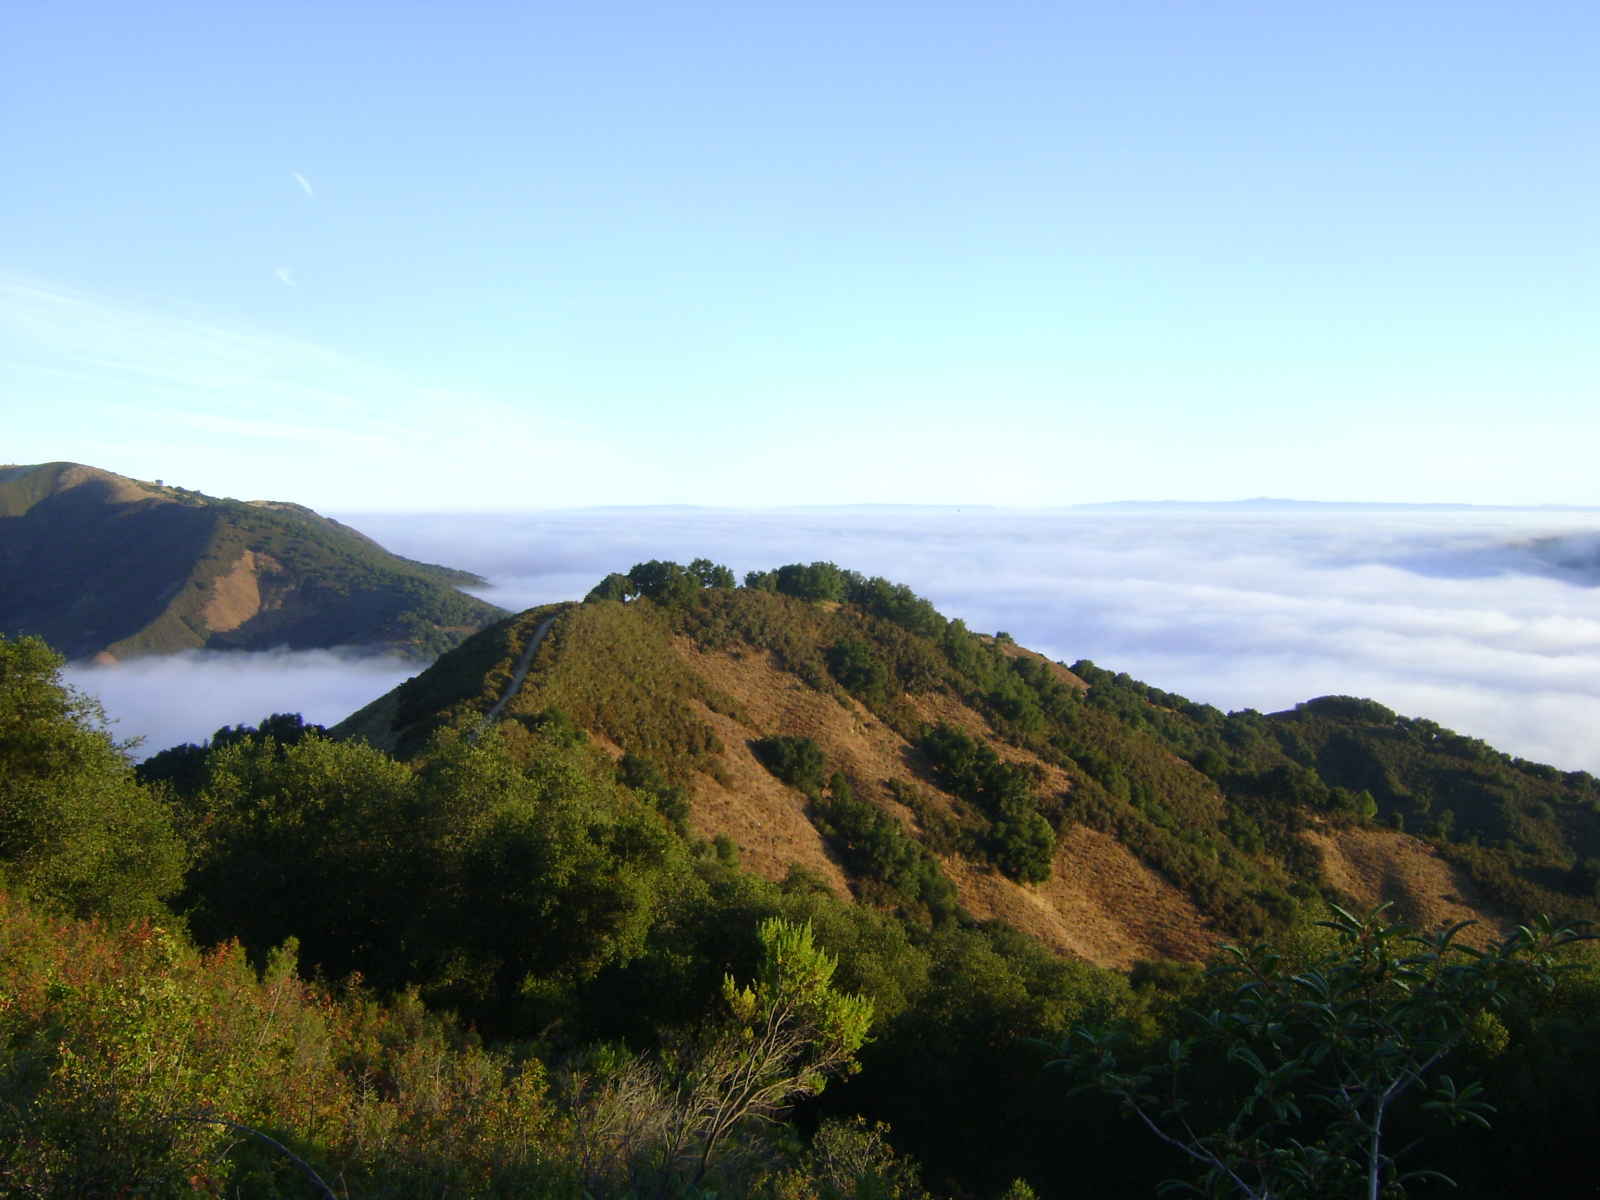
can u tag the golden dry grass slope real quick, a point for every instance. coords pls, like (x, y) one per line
(1152, 857)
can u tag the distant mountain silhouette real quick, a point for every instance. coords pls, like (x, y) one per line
(1280, 504)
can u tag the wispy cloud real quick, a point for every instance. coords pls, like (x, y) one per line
(305, 184)
(130, 356)
(61, 327)
(321, 435)
(285, 276)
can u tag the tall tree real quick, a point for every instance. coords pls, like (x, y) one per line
(77, 830)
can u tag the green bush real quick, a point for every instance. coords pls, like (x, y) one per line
(853, 663)
(77, 829)
(872, 844)
(798, 761)
(1020, 842)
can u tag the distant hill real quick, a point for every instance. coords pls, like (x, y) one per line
(100, 565)
(820, 720)
(1278, 504)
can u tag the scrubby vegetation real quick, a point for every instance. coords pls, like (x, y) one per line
(1019, 840)
(503, 962)
(1217, 803)
(890, 867)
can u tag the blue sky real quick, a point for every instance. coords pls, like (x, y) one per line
(407, 256)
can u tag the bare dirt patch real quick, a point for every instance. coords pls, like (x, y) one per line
(1376, 866)
(938, 708)
(775, 701)
(765, 817)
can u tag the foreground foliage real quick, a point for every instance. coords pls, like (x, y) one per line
(121, 1047)
(77, 830)
(135, 1063)
(1321, 1053)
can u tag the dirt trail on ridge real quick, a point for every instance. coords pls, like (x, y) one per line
(517, 676)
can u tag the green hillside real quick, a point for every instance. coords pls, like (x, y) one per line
(99, 564)
(1000, 758)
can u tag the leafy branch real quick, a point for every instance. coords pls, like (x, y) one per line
(1319, 1056)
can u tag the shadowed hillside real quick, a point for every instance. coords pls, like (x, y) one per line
(101, 565)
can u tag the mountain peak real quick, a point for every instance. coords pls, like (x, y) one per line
(815, 719)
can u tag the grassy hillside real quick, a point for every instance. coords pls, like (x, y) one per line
(99, 564)
(818, 718)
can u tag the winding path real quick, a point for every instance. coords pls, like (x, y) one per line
(517, 676)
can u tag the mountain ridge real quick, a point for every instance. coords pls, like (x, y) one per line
(108, 567)
(1112, 821)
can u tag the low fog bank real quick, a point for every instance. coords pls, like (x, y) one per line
(1486, 622)
(187, 697)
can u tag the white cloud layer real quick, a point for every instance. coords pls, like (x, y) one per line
(1488, 623)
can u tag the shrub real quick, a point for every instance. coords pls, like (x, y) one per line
(872, 844)
(860, 671)
(77, 829)
(798, 761)
(1021, 843)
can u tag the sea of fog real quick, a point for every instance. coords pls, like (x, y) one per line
(1485, 621)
